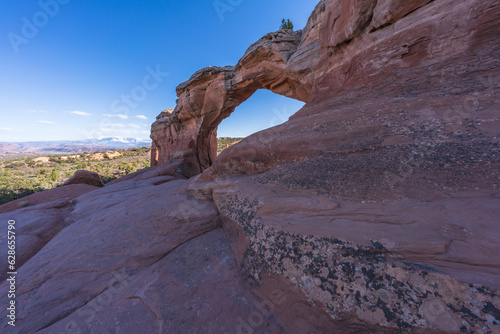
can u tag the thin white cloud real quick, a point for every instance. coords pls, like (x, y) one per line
(121, 129)
(116, 115)
(47, 122)
(80, 113)
(114, 125)
(6, 129)
(119, 132)
(141, 117)
(35, 111)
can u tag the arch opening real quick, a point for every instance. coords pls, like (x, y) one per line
(262, 110)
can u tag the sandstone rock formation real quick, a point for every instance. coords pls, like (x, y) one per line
(145, 249)
(85, 177)
(374, 209)
(41, 216)
(411, 68)
(66, 193)
(213, 93)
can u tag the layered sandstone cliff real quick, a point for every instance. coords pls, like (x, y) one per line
(374, 209)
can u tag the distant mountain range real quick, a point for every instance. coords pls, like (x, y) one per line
(56, 147)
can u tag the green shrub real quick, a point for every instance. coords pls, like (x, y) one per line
(54, 176)
(81, 165)
(286, 24)
(30, 162)
(127, 167)
(15, 165)
(42, 172)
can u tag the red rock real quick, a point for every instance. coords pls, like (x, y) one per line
(374, 209)
(85, 177)
(66, 193)
(38, 219)
(336, 80)
(213, 93)
(401, 118)
(34, 228)
(347, 19)
(122, 227)
(387, 12)
(153, 263)
(346, 257)
(196, 288)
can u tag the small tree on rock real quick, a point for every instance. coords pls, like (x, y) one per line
(286, 24)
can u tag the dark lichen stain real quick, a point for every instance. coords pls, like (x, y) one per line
(454, 165)
(486, 291)
(423, 267)
(389, 314)
(491, 309)
(358, 298)
(464, 329)
(349, 268)
(402, 323)
(465, 312)
(377, 245)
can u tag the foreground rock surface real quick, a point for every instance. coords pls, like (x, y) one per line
(154, 255)
(370, 265)
(66, 193)
(190, 288)
(374, 209)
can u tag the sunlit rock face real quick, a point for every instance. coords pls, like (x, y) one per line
(213, 93)
(374, 209)
(402, 108)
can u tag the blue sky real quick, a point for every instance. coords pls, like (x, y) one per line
(73, 69)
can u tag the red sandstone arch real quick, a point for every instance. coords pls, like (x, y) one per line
(213, 93)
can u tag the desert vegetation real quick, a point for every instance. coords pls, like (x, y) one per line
(286, 24)
(225, 142)
(24, 175)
